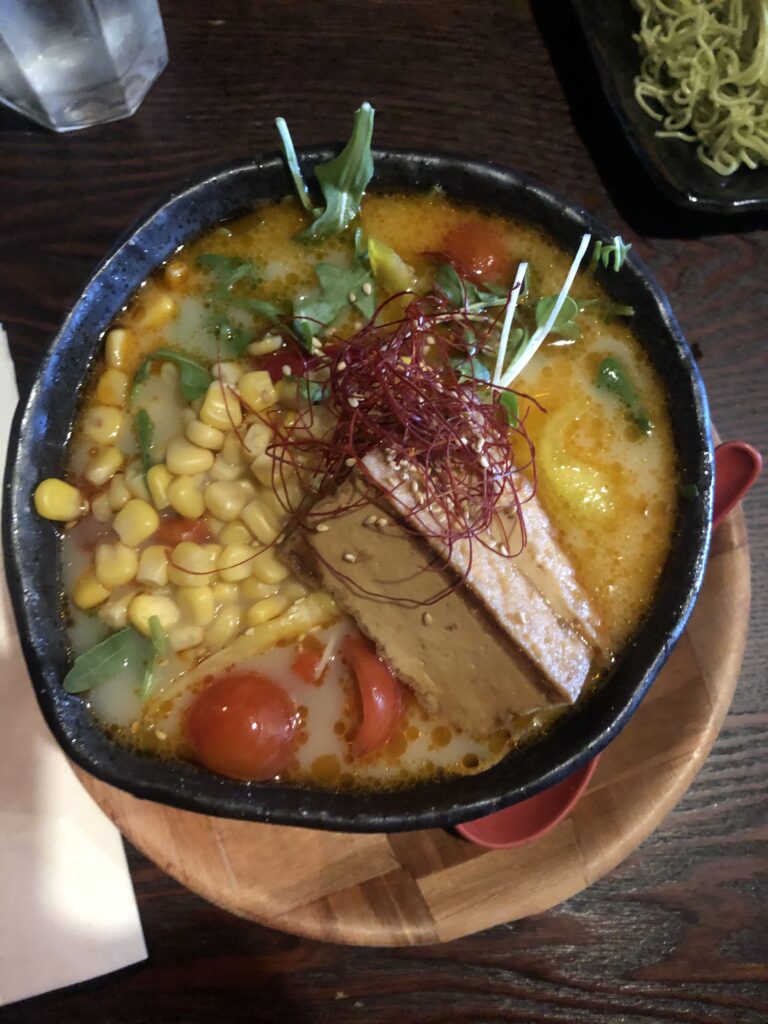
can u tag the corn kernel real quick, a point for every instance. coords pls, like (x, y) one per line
(60, 501)
(252, 590)
(227, 373)
(175, 273)
(87, 592)
(103, 423)
(115, 564)
(267, 609)
(114, 612)
(223, 628)
(260, 521)
(232, 450)
(153, 566)
(119, 348)
(256, 439)
(235, 533)
(263, 468)
(112, 388)
(182, 638)
(222, 470)
(193, 565)
(144, 606)
(203, 436)
(215, 526)
(185, 459)
(225, 593)
(134, 480)
(185, 497)
(158, 481)
(268, 568)
(103, 465)
(235, 562)
(225, 499)
(257, 390)
(269, 343)
(293, 590)
(159, 309)
(287, 393)
(197, 604)
(136, 521)
(221, 407)
(101, 510)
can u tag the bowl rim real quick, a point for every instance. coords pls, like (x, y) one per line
(428, 804)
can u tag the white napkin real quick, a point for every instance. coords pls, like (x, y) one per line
(67, 908)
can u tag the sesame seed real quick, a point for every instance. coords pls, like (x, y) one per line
(370, 520)
(367, 288)
(349, 556)
(322, 528)
(350, 462)
(504, 550)
(161, 735)
(430, 339)
(341, 365)
(484, 461)
(426, 618)
(352, 297)
(381, 522)
(353, 402)
(286, 370)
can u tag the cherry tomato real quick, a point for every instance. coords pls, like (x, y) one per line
(480, 248)
(381, 696)
(174, 530)
(304, 665)
(242, 726)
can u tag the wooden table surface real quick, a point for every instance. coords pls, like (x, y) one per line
(679, 932)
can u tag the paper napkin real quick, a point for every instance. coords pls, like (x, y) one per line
(67, 908)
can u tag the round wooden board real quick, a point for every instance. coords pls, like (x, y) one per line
(419, 887)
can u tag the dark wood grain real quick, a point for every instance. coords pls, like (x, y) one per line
(678, 932)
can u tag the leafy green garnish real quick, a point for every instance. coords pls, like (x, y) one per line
(471, 369)
(607, 252)
(234, 336)
(194, 379)
(227, 270)
(340, 287)
(608, 310)
(564, 323)
(342, 180)
(312, 391)
(612, 376)
(145, 431)
(126, 650)
(471, 296)
(159, 640)
(509, 400)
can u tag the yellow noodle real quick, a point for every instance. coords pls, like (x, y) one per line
(704, 77)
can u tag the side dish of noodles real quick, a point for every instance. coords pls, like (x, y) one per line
(704, 77)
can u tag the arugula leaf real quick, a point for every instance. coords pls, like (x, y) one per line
(227, 270)
(194, 379)
(145, 431)
(235, 337)
(612, 376)
(337, 287)
(564, 324)
(312, 391)
(159, 640)
(126, 650)
(509, 400)
(343, 180)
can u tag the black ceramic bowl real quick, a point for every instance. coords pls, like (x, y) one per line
(42, 428)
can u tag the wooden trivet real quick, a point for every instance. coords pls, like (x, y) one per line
(419, 887)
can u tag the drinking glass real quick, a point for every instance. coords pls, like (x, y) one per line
(69, 64)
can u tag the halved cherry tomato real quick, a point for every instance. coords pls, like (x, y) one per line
(304, 665)
(380, 692)
(480, 248)
(242, 726)
(174, 530)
